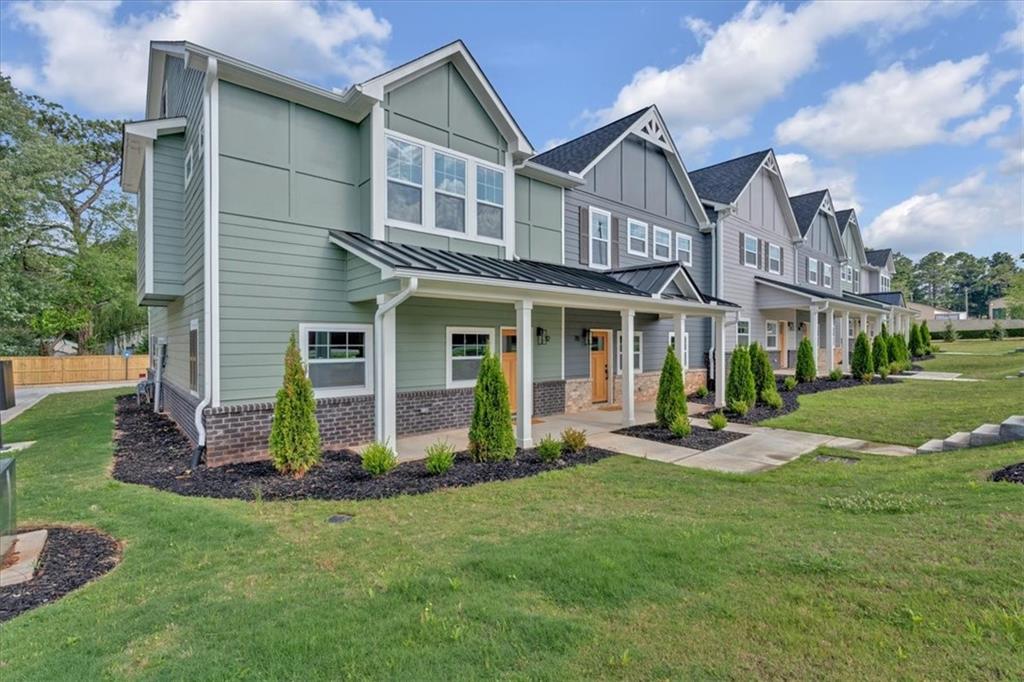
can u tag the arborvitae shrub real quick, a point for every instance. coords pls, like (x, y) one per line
(671, 392)
(549, 449)
(949, 334)
(440, 457)
(926, 337)
(761, 365)
(915, 341)
(997, 333)
(574, 440)
(861, 365)
(491, 437)
(740, 385)
(378, 459)
(717, 421)
(294, 433)
(902, 353)
(880, 356)
(806, 364)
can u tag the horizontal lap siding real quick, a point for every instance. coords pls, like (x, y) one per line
(168, 213)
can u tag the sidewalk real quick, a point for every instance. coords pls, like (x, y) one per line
(27, 396)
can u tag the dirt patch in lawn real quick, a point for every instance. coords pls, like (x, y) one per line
(70, 558)
(1011, 474)
(150, 450)
(699, 439)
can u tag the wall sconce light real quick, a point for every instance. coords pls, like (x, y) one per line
(542, 336)
(789, 326)
(584, 336)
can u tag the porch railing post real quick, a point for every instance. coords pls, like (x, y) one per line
(524, 373)
(628, 373)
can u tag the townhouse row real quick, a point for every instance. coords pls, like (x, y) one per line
(406, 226)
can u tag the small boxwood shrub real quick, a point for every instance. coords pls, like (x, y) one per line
(740, 407)
(440, 457)
(835, 375)
(701, 392)
(681, 427)
(861, 365)
(671, 399)
(574, 440)
(549, 449)
(789, 383)
(294, 433)
(806, 363)
(880, 356)
(490, 432)
(740, 386)
(771, 398)
(378, 459)
(717, 421)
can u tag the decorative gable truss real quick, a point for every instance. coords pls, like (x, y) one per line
(826, 207)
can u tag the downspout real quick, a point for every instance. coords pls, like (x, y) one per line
(378, 351)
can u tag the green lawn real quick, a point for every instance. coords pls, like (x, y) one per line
(986, 359)
(983, 346)
(908, 568)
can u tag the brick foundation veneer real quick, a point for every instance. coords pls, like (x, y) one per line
(181, 406)
(239, 433)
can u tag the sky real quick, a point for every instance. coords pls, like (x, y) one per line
(910, 112)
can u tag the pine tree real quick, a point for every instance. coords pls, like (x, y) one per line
(671, 391)
(862, 366)
(740, 385)
(806, 364)
(880, 356)
(491, 436)
(294, 433)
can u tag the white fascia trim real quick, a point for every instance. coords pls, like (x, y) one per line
(148, 220)
(536, 171)
(448, 331)
(562, 224)
(213, 126)
(151, 129)
(378, 175)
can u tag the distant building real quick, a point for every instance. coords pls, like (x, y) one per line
(931, 312)
(999, 309)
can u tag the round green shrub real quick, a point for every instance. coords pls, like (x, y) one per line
(440, 457)
(789, 383)
(294, 433)
(806, 363)
(680, 426)
(835, 375)
(717, 421)
(491, 437)
(740, 407)
(549, 449)
(671, 399)
(378, 459)
(701, 392)
(740, 384)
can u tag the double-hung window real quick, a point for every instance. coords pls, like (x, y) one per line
(600, 238)
(771, 335)
(662, 244)
(637, 243)
(684, 248)
(826, 275)
(490, 202)
(338, 358)
(466, 349)
(812, 270)
(193, 356)
(405, 181)
(743, 333)
(774, 258)
(885, 282)
(638, 352)
(686, 347)
(750, 251)
(449, 192)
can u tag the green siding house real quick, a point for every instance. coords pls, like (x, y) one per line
(401, 229)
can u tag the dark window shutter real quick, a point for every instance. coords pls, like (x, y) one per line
(782, 261)
(615, 242)
(762, 252)
(821, 272)
(807, 268)
(584, 235)
(743, 240)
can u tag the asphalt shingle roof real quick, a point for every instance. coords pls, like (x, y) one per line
(843, 217)
(575, 155)
(805, 207)
(723, 182)
(886, 297)
(878, 257)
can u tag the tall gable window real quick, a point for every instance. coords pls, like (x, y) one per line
(338, 358)
(600, 238)
(856, 281)
(449, 192)
(885, 283)
(637, 245)
(743, 333)
(750, 251)
(662, 244)
(405, 181)
(684, 248)
(771, 335)
(774, 258)
(826, 275)
(686, 347)
(490, 202)
(812, 270)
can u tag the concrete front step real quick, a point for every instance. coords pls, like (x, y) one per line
(959, 440)
(934, 445)
(1012, 428)
(986, 434)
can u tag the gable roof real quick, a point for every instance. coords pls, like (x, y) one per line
(848, 218)
(878, 257)
(724, 182)
(654, 278)
(805, 207)
(894, 298)
(575, 155)
(843, 217)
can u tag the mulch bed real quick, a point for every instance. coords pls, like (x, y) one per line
(699, 439)
(71, 557)
(760, 412)
(150, 450)
(1011, 474)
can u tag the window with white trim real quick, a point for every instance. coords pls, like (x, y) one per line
(743, 332)
(771, 334)
(750, 251)
(636, 244)
(638, 351)
(885, 282)
(812, 270)
(449, 192)
(662, 244)
(490, 202)
(600, 238)
(826, 274)
(856, 281)
(684, 248)
(339, 358)
(774, 258)
(466, 348)
(188, 165)
(405, 181)
(193, 356)
(847, 274)
(686, 347)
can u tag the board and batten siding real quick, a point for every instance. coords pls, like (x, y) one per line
(289, 174)
(184, 89)
(819, 243)
(854, 260)
(538, 220)
(169, 214)
(422, 339)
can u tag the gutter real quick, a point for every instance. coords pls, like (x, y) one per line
(378, 351)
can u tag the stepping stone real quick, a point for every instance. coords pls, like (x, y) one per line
(958, 441)
(1012, 428)
(934, 445)
(986, 434)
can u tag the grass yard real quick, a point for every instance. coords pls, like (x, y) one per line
(907, 568)
(914, 411)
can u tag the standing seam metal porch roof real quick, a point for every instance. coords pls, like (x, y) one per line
(628, 281)
(806, 291)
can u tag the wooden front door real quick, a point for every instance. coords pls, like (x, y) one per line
(599, 348)
(783, 346)
(509, 361)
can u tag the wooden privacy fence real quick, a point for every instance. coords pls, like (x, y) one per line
(76, 369)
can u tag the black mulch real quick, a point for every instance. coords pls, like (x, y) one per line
(150, 450)
(760, 412)
(71, 557)
(699, 439)
(1011, 474)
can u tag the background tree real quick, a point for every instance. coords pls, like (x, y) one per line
(931, 278)
(904, 279)
(1015, 296)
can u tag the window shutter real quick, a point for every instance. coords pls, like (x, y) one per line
(615, 242)
(807, 268)
(584, 235)
(821, 272)
(782, 262)
(743, 239)
(762, 252)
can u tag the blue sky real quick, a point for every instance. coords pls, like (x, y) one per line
(910, 112)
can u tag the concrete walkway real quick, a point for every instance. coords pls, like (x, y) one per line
(28, 396)
(932, 376)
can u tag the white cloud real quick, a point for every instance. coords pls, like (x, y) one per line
(1014, 38)
(749, 60)
(897, 108)
(802, 175)
(553, 142)
(98, 60)
(972, 215)
(700, 28)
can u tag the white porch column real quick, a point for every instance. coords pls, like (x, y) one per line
(863, 324)
(524, 373)
(679, 327)
(878, 326)
(813, 334)
(628, 373)
(386, 387)
(846, 339)
(719, 324)
(830, 339)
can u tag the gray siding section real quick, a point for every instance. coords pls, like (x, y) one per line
(854, 261)
(168, 214)
(442, 241)
(819, 243)
(140, 229)
(538, 220)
